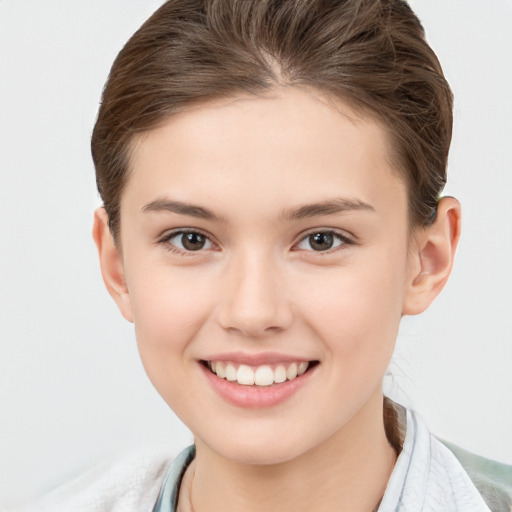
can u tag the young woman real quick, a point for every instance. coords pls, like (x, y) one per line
(271, 175)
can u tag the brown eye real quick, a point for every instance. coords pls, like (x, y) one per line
(321, 241)
(188, 241)
(193, 241)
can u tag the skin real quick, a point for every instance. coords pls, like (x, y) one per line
(258, 285)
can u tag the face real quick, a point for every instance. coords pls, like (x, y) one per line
(265, 239)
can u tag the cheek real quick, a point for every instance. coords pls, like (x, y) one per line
(169, 308)
(357, 310)
(166, 316)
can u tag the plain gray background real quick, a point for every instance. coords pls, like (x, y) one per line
(72, 390)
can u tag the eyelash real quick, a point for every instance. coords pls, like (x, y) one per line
(343, 239)
(166, 241)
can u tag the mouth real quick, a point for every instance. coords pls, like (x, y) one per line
(264, 375)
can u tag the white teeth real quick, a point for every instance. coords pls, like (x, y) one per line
(220, 371)
(280, 374)
(245, 375)
(302, 367)
(231, 373)
(263, 375)
(291, 373)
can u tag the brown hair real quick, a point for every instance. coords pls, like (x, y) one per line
(370, 53)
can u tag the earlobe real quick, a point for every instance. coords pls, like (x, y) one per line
(431, 258)
(111, 263)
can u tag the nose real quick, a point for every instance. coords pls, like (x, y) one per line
(255, 299)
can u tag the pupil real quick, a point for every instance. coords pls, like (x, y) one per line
(193, 241)
(321, 241)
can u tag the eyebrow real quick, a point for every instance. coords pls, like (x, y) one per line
(181, 208)
(329, 207)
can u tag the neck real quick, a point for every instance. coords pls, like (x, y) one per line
(348, 472)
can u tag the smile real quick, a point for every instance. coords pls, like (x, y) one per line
(259, 380)
(263, 375)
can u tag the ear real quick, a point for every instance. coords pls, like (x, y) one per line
(431, 257)
(111, 263)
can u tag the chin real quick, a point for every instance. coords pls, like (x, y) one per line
(259, 450)
(261, 454)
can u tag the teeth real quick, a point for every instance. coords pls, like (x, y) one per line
(231, 373)
(261, 376)
(280, 374)
(291, 373)
(264, 376)
(245, 375)
(220, 371)
(302, 367)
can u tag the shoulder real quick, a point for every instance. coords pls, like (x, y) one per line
(130, 484)
(428, 476)
(492, 479)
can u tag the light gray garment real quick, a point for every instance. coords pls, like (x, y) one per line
(428, 477)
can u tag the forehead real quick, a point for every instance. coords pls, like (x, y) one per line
(292, 145)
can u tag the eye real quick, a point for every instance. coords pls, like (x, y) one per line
(321, 241)
(187, 241)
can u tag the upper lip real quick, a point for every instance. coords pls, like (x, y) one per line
(256, 359)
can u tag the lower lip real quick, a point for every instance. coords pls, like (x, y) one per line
(256, 397)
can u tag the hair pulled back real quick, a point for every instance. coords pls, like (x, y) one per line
(371, 54)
